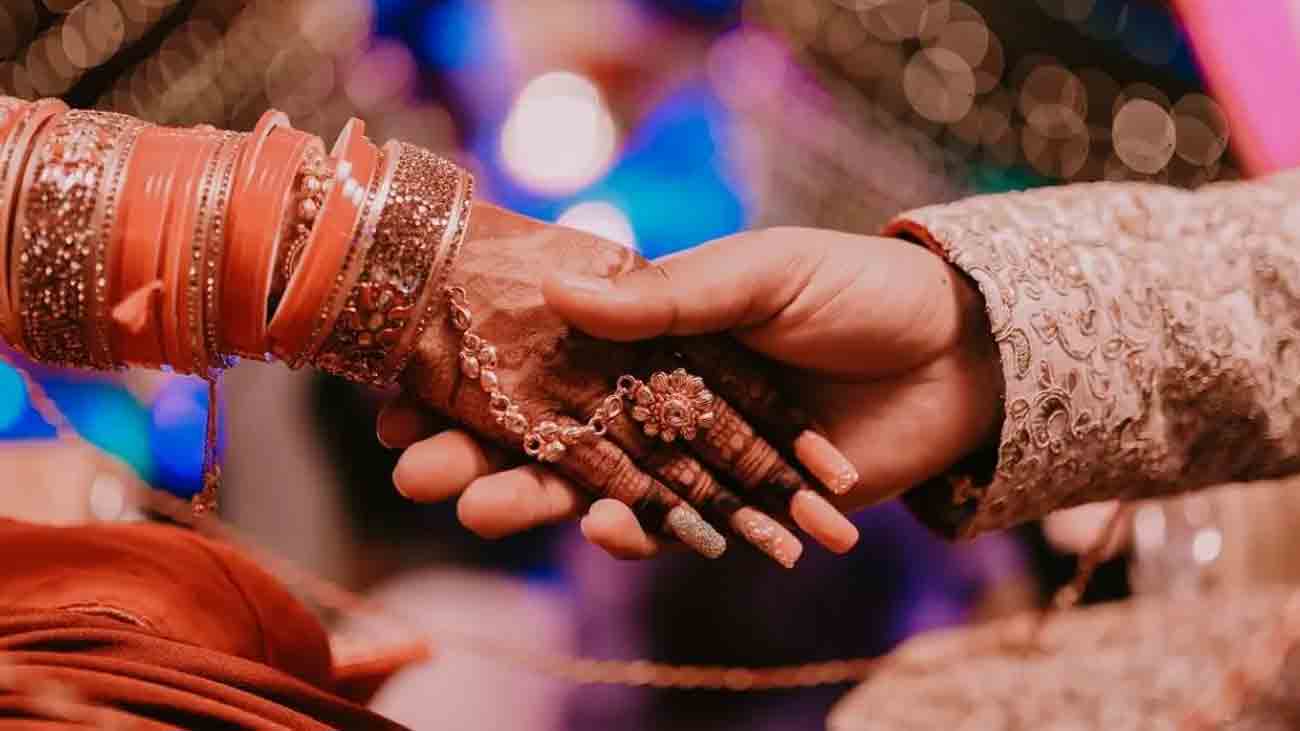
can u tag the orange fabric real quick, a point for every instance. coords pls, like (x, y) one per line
(161, 624)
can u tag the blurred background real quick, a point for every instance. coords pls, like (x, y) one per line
(660, 124)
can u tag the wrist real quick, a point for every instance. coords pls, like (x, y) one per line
(980, 350)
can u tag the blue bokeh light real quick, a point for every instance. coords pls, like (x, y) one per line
(455, 34)
(106, 415)
(13, 398)
(178, 422)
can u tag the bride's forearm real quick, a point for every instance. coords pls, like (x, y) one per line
(140, 245)
(133, 244)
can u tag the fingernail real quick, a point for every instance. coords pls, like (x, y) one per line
(768, 536)
(692, 529)
(408, 471)
(821, 520)
(397, 481)
(827, 463)
(585, 285)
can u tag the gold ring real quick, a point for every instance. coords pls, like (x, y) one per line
(670, 405)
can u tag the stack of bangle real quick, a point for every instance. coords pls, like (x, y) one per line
(130, 244)
(139, 245)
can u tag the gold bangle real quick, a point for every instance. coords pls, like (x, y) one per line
(417, 235)
(61, 266)
(13, 156)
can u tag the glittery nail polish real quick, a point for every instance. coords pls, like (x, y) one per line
(692, 529)
(768, 536)
(827, 463)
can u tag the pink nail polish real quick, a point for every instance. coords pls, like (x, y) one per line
(768, 536)
(821, 520)
(827, 463)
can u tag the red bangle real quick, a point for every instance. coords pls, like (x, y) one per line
(12, 113)
(258, 214)
(229, 160)
(147, 195)
(293, 330)
(182, 239)
(21, 130)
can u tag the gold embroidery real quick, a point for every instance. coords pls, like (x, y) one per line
(1148, 336)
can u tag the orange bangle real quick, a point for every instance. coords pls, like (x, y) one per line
(294, 329)
(12, 113)
(230, 158)
(181, 241)
(259, 211)
(147, 196)
(21, 130)
(109, 221)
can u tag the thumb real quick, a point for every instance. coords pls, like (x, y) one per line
(731, 283)
(832, 302)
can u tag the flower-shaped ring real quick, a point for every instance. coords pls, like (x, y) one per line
(670, 405)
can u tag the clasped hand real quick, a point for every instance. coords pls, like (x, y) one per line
(806, 338)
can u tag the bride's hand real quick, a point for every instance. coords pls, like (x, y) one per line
(729, 473)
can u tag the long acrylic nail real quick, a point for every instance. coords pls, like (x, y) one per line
(692, 529)
(768, 536)
(821, 520)
(827, 463)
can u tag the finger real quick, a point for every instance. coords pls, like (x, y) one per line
(613, 526)
(442, 466)
(401, 423)
(505, 503)
(746, 381)
(604, 468)
(684, 475)
(1076, 530)
(681, 295)
(750, 462)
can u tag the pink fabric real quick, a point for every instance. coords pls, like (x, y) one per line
(1250, 53)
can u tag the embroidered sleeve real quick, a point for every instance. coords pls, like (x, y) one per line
(1150, 339)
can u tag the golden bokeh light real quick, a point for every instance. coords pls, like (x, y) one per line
(939, 85)
(1202, 129)
(1144, 136)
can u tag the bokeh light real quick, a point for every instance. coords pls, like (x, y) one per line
(602, 219)
(107, 416)
(939, 84)
(560, 136)
(178, 422)
(1144, 136)
(13, 397)
(1202, 129)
